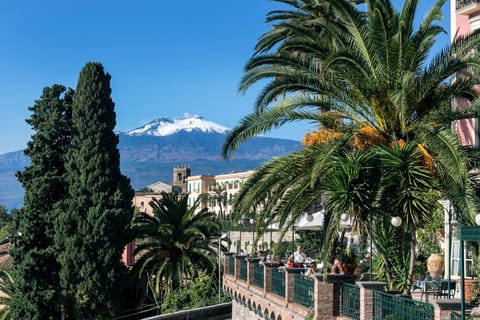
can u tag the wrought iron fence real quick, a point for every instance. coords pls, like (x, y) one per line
(394, 307)
(243, 269)
(464, 3)
(258, 270)
(455, 316)
(303, 290)
(351, 301)
(231, 265)
(278, 282)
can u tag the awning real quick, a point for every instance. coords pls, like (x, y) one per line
(316, 222)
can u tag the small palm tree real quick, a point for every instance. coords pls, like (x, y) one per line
(174, 243)
(219, 196)
(6, 290)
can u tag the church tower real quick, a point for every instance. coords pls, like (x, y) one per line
(180, 175)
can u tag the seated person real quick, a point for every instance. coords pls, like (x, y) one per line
(299, 256)
(278, 260)
(312, 270)
(337, 267)
(290, 262)
(261, 256)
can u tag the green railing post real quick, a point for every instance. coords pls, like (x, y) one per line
(462, 277)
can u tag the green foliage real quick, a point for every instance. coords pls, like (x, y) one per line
(6, 287)
(201, 292)
(174, 244)
(36, 280)
(91, 227)
(145, 190)
(5, 216)
(311, 241)
(384, 146)
(283, 248)
(6, 222)
(309, 316)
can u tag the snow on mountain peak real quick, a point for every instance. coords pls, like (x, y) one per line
(165, 127)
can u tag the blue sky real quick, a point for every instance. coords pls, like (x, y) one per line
(166, 58)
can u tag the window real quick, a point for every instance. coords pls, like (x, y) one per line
(455, 262)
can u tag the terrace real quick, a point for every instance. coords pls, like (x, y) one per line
(268, 292)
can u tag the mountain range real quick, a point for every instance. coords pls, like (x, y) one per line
(149, 153)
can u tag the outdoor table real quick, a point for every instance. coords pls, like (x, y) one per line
(438, 288)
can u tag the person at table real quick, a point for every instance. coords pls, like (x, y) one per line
(337, 267)
(290, 262)
(278, 260)
(261, 256)
(299, 256)
(312, 270)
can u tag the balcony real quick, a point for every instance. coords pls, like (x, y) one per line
(265, 291)
(467, 7)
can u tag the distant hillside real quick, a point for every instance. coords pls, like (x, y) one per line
(149, 153)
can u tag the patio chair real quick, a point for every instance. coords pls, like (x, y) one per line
(443, 292)
(430, 287)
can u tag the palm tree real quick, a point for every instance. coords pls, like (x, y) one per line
(6, 291)
(367, 72)
(218, 196)
(174, 243)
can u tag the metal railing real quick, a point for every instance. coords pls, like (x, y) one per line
(351, 301)
(278, 282)
(243, 269)
(455, 316)
(303, 290)
(388, 306)
(258, 271)
(463, 3)
(231, 265)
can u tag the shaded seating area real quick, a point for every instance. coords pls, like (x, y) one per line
(437, 288)
(447, 286)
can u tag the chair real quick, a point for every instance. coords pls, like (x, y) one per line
(443, 292)
(430, 287)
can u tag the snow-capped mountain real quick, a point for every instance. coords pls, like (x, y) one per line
(162, 127)
(149, 153)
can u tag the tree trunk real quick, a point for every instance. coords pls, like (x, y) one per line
(388, 265)
(413, 245)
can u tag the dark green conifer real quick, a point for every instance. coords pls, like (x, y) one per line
(36, 274)
(93, 228)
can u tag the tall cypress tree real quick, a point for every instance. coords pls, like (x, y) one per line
(36, 274)
(99, 206)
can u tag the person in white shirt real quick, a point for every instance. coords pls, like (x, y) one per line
(299, 256)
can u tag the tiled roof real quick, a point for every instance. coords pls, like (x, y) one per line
(6, 261)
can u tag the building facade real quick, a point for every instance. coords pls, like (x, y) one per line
(216, 191)
(464, 19)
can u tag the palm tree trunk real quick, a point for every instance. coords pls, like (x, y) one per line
(413, 246)
(388, 265)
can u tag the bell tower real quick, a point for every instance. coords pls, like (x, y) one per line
(180, 175)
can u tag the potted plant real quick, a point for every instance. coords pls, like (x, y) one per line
(472, 287)
(474, 292)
